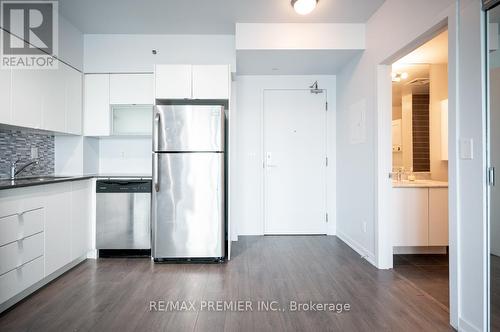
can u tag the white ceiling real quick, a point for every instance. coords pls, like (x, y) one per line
(414, 71)
(202, 16)
(293, 62)
(434, 51)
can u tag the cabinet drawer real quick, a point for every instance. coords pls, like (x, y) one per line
(19, 200)
(17, 280)
(16, 227)
(17, 253)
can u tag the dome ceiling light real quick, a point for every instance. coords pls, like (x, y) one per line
(304, 7)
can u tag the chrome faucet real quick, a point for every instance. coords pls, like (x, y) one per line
(13, 167)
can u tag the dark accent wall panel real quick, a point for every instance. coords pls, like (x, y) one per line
(420, 131)
(17, 144)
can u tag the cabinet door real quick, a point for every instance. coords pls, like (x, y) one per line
(131, 89)
(73, 100)
(211, 82)
(410, 215)
(173, 81)
(5, 91)
(54, 99)
(27, 97)
(438, 216)
(57, 226)
(97, 111)
(80, 218)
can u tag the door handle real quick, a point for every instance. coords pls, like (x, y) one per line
(156, 173)
(156, 132)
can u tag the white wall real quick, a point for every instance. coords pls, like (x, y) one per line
(438, 92)
(248, 173)
(132, 53)
(76, 155)
(70, 44)
(126, 156)
(299, 36)
(471, 185)
(391, 29)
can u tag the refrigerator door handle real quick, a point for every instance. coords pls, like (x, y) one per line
(156, 132)
(156, 173)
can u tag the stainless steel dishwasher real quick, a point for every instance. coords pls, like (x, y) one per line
(123, 221)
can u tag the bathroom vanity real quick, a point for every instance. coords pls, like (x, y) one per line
(420, 213)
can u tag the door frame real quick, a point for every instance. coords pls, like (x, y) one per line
(263, 149)
(383, 236)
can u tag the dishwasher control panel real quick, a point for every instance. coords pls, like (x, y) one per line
(123, 186)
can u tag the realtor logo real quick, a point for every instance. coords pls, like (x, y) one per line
(29, 37)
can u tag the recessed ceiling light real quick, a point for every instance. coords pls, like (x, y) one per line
(304, 7)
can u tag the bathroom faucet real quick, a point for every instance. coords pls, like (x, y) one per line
(13, 167)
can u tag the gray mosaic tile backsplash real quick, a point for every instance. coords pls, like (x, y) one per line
(16, 145)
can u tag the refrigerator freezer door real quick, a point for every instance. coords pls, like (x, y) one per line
(188, 128)
(188, 205)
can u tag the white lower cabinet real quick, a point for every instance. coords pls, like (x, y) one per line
(57, 226)
(42, 229)
(81, 193)
(420, 217)
(438, 217)
(17, 280)
(411, 210)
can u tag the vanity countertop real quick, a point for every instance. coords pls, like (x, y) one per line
(419, 184)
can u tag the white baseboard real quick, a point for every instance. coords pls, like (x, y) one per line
(465, 326)
(370, 257)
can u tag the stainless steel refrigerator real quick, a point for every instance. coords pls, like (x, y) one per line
(188, 201)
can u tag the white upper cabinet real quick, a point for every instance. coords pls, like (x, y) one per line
(192, 81)
(27, 97)
(5, 89)
(74, 101)
(96, 111)
(54, 100)
(173, 81)
(211, 82)
(49, 99)
(126, 89)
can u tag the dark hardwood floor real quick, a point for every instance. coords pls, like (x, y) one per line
(115, 294)
(430, 273)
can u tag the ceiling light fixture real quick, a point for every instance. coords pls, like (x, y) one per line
(304, 7)
(397, 77)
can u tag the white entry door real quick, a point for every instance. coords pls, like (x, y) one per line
(295, 162)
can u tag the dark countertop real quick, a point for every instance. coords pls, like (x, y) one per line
(49, 179)
(39, 180)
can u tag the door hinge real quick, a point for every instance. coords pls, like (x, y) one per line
(326, 217)
(326, 161)
(491, 176)
(326, 106)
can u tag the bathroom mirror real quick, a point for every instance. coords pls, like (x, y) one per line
(420, 115)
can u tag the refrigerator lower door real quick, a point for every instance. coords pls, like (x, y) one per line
(188, 205)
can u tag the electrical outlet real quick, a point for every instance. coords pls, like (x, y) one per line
(34, 153)
(364, 227)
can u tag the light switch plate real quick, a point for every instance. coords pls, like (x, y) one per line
(466, 149)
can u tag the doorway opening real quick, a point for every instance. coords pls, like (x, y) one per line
(295, 162)
(419, 195)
